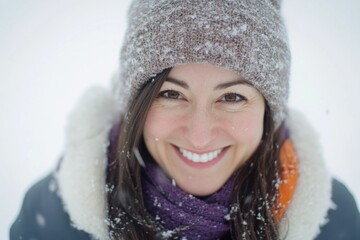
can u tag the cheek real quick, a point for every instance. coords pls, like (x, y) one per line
(247, 129)
(158, 124)
(151, 128)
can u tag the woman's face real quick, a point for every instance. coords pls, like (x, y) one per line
(204, 124)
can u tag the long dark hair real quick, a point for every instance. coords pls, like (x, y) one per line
(253, 199)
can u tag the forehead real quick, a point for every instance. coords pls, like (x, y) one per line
(206, 76)
(203, 72)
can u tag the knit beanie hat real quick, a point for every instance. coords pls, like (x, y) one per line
(245, 36)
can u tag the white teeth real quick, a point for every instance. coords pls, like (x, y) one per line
(203, 158)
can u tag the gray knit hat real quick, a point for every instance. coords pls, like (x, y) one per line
(246, 36)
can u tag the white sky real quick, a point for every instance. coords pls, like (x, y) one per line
(51, 51)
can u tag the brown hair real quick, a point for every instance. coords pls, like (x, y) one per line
(253, 198)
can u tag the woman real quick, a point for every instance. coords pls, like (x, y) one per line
(198, 144)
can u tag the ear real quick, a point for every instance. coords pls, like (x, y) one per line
(276, 3)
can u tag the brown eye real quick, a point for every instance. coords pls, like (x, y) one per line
(232, 98)
(170, 94)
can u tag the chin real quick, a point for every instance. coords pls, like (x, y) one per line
(199, 190)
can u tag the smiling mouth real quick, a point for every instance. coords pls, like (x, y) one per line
(200, 158)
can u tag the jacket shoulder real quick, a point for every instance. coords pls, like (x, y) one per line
(344, 220)
(42, 215)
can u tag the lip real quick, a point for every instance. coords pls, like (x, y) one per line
(200, 165)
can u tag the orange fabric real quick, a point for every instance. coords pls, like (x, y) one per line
(289, 176)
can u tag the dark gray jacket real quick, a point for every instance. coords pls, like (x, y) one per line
(42, 216)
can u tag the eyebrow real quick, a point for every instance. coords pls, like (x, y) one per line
(177, 82)
(218, 87)
(231, 83)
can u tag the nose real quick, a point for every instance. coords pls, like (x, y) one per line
(201, 130)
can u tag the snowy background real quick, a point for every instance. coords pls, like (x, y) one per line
(51, 51)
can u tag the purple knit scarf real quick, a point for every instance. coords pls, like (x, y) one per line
(183, 215)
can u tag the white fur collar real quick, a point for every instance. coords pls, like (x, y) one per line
(312, 199)
(81, 176)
